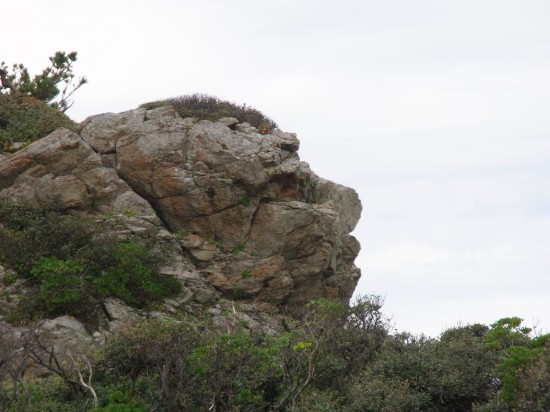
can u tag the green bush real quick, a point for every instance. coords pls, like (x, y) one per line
(237, 370)
(133, 277)
(451, 374)
(191, 366)
(62, 285)
(73, 264)
(25, 119)
(205, 107)
(44, 395)
(317, 400)
(237, 248)
(151, 362)
(376, 393)
(119, 400)
(317, 364)
(29, 233)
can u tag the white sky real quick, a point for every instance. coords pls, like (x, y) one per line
(435, 111)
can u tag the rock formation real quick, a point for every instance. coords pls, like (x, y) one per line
(241, 217)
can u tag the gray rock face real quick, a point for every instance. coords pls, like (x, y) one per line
(66, 335)
(241, 216)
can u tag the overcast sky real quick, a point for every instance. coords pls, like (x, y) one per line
(436, 111)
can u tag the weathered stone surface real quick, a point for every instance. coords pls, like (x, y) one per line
(237, 214)
(66, 335)
(62, 165)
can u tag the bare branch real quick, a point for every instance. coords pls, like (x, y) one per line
(87, 385)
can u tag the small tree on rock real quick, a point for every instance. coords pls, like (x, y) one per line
(56, 81)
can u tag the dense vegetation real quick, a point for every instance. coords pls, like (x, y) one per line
(205, 107)
(24, 119)
(72, 263)
(331, 357)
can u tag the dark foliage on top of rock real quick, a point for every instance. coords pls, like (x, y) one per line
(24, 119)
(206, 107)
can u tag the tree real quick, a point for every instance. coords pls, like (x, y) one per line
(522, 371)
(56, 81)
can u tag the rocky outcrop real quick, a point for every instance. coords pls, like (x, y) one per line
(240, 216)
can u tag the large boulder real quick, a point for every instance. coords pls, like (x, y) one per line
(243, 217)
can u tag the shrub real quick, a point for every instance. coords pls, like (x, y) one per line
(237, 370)
(46, 395)
(25, 119)
(152, 361)
(205, 107)
(351, 335)
(448, 375)
(29, 233)
(73, 264)
(133, 277)
(317, 400)
(237, 248)
(380, 394)
(62, 286)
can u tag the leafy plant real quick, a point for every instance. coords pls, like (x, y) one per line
(73, 264)
(246, 274)
(61, 286)
(236, 369)
(133, 279)
(311, 186)
(152, 361)
(31, 108)
(245, 201)
(524, 384)
(181, 234)
(129, 213)
(239, 247)
(9, 279)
